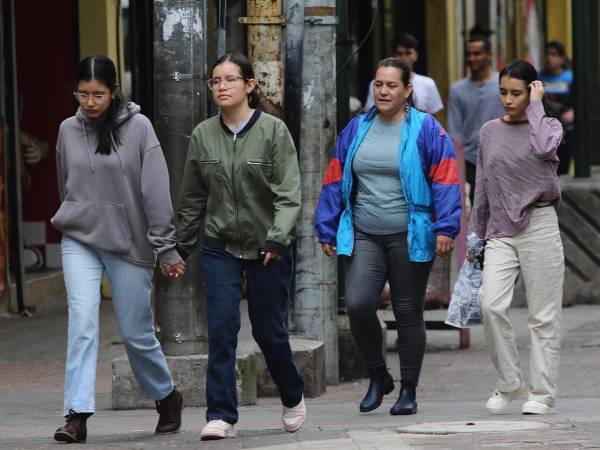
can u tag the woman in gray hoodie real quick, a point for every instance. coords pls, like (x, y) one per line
(115, 216)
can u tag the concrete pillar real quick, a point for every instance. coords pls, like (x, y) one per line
(315, 302)
(265, 50)
(179, 105)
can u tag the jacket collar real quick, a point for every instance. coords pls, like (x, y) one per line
(370, 115)
(250, 124)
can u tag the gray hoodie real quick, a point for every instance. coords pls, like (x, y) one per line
(118, 203)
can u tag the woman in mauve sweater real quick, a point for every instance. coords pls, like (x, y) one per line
(516, 194)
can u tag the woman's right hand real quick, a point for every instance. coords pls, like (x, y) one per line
(173, 271)
(328, 249)
(468, 256)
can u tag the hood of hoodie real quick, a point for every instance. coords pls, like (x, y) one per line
(124, 206)
(128, 110)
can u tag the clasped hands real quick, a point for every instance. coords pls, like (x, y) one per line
(173, 270)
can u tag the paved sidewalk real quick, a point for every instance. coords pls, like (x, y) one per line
(454, 387)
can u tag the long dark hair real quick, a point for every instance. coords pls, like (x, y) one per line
(102, 69)
(246, 71)
(404, 73)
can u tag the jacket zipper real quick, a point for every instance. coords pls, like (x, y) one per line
(257, 163)
(237, 219)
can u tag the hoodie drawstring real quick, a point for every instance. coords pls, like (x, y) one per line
(87, 144)
(89, 150)
(118, 156)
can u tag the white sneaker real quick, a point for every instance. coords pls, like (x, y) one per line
(293, 418)
(217, 429)
(499, 401)
(536, 407)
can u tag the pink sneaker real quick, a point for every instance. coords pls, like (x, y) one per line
(293, 418)
(217, 429)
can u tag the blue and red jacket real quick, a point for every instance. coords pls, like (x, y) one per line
(429, 174)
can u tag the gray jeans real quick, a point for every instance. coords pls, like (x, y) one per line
(375, 259)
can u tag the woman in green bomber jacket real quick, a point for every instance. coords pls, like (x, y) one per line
(241, 184)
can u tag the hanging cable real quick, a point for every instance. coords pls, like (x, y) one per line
(341, 69)
(118, 61)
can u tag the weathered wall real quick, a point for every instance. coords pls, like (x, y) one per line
(579, 219)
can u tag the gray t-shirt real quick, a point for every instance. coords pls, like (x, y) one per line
(470, 105)
(380, 206)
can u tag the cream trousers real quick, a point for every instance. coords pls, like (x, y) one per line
(537, 255)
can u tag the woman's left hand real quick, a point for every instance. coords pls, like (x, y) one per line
(268, 256)
(173, 271)
(537, 91)
(443, 245)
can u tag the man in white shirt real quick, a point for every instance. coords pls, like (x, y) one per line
(425, 92)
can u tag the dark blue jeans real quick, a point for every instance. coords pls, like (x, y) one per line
(267, 288)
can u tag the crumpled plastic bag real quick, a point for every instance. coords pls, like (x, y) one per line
(464, 310)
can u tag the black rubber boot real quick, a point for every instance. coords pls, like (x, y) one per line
(406, 403)
(381, 384)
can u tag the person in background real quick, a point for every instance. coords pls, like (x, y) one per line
(426, 96)
(516, 195)
(390, 202)
(116, 217)
(472, 102)
(558, 81)
(241, 192)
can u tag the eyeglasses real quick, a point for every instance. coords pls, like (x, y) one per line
(96, 97)
(214, 83)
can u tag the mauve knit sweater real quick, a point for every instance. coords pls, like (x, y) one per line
(516, 168)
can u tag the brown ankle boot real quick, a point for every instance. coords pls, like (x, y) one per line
(75, 430)
(169, 409)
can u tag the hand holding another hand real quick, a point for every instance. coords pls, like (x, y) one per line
(174, 270)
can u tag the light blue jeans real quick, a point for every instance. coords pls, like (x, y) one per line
(131, 286)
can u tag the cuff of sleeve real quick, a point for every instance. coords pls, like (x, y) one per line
(446, 234)
(184, 254)
(170, 257)
(275, 247)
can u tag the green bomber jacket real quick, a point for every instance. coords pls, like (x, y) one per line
(241, 191)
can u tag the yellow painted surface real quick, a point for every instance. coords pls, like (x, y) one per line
(442, 54)
(264, 8)
(559, 23)
(98, 30)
